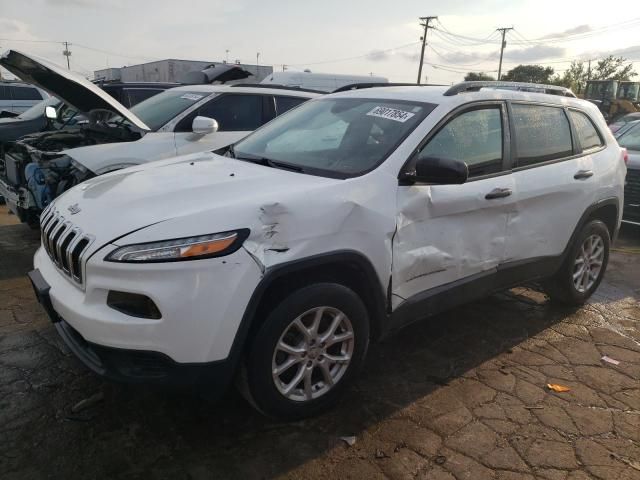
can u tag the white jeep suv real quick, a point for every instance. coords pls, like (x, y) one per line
(349, 216)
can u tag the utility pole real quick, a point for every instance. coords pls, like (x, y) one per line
(67, 53)
(227, 59)
(257, 59)
(589, 71)
(504, 31)
(424, 23)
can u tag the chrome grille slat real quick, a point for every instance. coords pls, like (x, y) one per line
(65, 243)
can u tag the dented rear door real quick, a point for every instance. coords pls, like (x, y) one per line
(447, 233)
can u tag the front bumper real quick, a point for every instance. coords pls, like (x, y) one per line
(201, 303)
(132, 366)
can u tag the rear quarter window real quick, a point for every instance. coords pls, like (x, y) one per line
(542, 133)
(586, 131)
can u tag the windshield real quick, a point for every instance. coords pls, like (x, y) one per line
(160, 109)
(37, 110)
(628, 91)
(339, 137)
(601, 90)
(630, 139)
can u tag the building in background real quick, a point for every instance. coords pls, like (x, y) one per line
(173, 70)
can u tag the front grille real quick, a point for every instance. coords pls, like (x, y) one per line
(64, 243)
(632, 196)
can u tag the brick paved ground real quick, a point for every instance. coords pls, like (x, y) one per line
(461, 396)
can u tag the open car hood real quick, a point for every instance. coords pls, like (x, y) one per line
(215, 73)
(81, 94)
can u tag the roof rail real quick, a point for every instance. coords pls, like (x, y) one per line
(277, 87)
(358, 86)
(520, 86)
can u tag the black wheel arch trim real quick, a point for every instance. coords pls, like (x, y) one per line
(377, 308)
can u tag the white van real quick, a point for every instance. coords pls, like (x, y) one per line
(325, 82)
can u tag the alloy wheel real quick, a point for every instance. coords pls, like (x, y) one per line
(588, 263)
(313, 354)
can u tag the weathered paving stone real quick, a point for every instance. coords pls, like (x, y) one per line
(403, 464)
(476, 439)
(465, 468)
(556, 417)
(545, 453)
(504, 458)
(591, 421)
(406, 433)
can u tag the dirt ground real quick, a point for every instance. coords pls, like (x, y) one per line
(460, 396)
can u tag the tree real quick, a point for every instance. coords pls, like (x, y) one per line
(613, 68)
(479, 76)
(575, 77)
(529, 73)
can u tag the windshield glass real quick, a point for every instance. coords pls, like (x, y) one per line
(340, 137)
(601, 90)
(160, 109)
(37, 110)
(628, 91)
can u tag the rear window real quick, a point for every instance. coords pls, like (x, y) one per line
(542, 134)
(26, 93)
(586, 132)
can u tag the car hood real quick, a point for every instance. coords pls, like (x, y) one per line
(203, 185)
(81, 94)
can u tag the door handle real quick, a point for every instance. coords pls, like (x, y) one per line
(498, 193)
(583, 174)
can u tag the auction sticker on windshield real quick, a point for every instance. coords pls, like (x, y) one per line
(391, 114)
(191, 96)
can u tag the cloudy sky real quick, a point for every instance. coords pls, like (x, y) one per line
(355, 36)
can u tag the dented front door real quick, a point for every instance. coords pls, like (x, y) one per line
(447, 233)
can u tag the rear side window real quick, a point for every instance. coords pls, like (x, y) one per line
(474, 137)
(26, 93)
(287, 103)
(586, 132)
(4, 93)
(542, 134)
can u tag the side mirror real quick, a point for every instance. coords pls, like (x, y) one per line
(50, 112)
(440, 171)
(204, 125)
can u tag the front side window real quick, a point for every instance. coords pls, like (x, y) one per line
(474, 137)
(631, 139)
(164, 107)
(233, 112)
(585, 130)
(542, 134)
(339, 137)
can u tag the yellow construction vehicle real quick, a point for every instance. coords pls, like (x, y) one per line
(614, 98)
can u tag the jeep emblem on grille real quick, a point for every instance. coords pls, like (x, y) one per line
(73, 208)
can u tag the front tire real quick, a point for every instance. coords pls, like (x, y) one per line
(307, 352)
(582, 271)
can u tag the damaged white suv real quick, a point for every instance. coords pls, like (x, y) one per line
(350, 216)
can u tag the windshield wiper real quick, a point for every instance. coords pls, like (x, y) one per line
(267, 162)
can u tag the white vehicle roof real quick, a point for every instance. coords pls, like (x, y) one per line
(247, 89)
(436, 95)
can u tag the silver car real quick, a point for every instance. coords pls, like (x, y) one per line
(630, 139)
(18, 97)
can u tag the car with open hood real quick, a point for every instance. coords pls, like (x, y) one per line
(186, 119)
(346, 218)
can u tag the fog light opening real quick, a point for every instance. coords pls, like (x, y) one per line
(133, 304)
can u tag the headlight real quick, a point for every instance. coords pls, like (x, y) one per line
(190, 248)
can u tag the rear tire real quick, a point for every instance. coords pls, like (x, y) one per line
(582, 271)
(307, 352)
